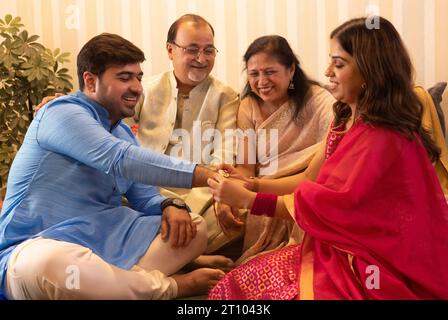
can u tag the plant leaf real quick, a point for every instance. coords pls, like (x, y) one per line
(28, 72)
(5, 35)
(37, 46)
(24, 35)
(8, 18)
(62, 71)
(32, 38)
(16, 22)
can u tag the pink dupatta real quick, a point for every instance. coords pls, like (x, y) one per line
(376, 221)
(376, 224)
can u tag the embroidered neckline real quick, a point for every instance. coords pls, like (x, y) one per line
(334, 138)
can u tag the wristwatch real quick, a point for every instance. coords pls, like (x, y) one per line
(175, 202)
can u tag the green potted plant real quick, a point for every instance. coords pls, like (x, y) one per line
(28, 72)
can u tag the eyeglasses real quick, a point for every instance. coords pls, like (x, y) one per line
(194, 51)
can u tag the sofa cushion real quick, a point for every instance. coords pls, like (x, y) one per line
(436, 93)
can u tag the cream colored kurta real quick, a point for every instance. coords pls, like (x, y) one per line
(210, 109)
(211, 105)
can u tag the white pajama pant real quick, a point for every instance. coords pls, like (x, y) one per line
(43, 268)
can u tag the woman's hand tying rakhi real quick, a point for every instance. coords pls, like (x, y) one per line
(230, 191)
(233, 173)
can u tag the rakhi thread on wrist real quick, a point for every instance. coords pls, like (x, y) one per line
(264, 205)
(223, 173)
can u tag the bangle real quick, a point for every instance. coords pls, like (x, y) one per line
(264, 205)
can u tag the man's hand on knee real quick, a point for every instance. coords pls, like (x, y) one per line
(177, 227)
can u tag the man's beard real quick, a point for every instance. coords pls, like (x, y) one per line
(197, 76)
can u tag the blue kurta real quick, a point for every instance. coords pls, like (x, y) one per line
(68, 177)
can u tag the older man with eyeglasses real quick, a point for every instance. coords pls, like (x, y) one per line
(185, 113)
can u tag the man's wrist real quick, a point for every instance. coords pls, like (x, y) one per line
(200, 176)
(174, 202)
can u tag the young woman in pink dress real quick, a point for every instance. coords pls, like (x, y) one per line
(372, 209)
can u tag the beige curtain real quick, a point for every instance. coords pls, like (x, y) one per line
(67, 24)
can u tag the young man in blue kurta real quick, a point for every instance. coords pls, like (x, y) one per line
(62, 215)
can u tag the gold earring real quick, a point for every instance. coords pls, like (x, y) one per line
(364, 86)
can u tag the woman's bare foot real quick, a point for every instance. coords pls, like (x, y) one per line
(212, 261)
(215, 261)
(197, 282)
